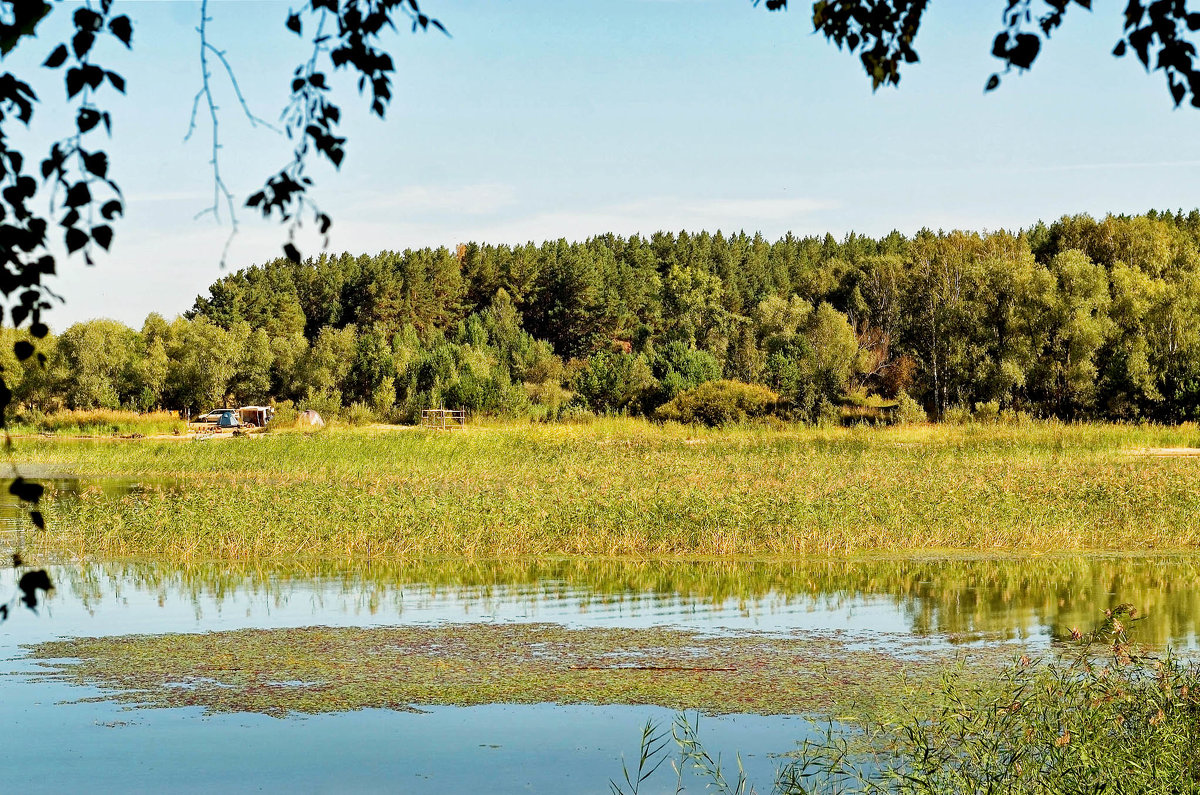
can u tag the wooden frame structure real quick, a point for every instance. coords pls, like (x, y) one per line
(444, 419)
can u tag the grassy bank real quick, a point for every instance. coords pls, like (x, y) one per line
(628, 488)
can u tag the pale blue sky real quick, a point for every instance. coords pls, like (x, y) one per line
(546, 119)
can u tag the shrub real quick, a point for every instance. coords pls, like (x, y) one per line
(576, 414)
(828, 415)
(546, 399)
(285, 415)
(908, 411)
(988, 412)
(719, 403)
(613, 382)
(957, 415)
(679, 368)
(359, 414)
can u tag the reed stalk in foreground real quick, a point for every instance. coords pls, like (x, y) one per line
(1122, 722)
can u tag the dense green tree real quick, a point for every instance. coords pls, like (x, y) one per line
(97, 357)
(1076, 319)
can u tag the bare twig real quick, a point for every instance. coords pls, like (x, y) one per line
(221, 193)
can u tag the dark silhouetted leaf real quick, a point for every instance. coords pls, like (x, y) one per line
(81, 42)
(23, 349)
(86, 119)
(96, 163)
(103, 235)
(57, 57)
(30, 583)
(86, 19)
(111, 209)
(992, 83)
(122, 29)
(75, 81)
(76, 239)
(26, 490)
(78, 195)
(291, 252)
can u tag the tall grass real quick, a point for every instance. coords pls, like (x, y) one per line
(1107, 719)
(627, 488)
(100, 422)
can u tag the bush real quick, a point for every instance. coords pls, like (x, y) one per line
(957, 415)
(719, 403)
(285, 415)
(576, 414)
(988, 412)
(359, 414)
(547, 399)
(908, 411)
(610, 383)
(679, 368)
(828, 415)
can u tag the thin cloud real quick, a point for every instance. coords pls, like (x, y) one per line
(481, 199)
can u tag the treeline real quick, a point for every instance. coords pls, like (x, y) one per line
(1079, 319)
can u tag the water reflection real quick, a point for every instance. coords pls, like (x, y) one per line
(1027, 598)
(61, 486)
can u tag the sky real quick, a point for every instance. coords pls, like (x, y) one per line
(541, 120)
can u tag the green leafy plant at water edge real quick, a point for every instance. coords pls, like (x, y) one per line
(1124, 722)
(689, 756)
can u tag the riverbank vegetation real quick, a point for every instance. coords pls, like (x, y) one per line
(1107, 719)
(625, 487)
(1079, 319)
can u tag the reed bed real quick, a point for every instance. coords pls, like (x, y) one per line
(629, 488)
(100, 422)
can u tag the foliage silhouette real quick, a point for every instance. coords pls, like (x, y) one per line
(883, 33)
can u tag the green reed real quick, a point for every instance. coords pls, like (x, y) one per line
(1108, 719)
(629, 488)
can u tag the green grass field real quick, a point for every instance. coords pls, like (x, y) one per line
(629, 488)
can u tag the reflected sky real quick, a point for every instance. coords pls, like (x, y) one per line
(506, 748)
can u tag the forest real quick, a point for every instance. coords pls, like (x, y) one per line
(1080, 319)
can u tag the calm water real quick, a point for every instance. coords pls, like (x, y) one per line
(505, 748)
